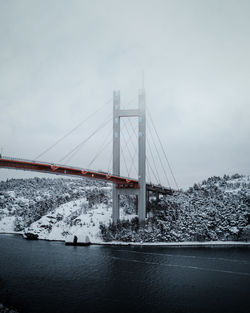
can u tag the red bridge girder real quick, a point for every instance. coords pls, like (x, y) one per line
(52, 168)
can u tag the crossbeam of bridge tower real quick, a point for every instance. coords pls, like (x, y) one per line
(140, 192)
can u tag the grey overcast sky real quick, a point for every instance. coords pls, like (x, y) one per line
(61, 60)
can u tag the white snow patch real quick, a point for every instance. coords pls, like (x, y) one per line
(11, 193)
(181, 243)
(74, 218)
(7, 224)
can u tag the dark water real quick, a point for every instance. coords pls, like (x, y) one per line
(40, 276)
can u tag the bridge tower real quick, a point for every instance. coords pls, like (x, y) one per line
(140, 192)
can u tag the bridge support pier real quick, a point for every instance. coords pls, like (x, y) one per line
(140, 112)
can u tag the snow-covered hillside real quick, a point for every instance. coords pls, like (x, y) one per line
(58, 209)
(216, 209)
(55, 209)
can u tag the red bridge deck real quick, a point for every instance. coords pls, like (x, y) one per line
(58, 169)
(122, 182)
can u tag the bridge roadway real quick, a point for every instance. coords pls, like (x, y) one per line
(59, 169)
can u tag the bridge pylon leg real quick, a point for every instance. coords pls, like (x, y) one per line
(140, 112)
(142, 157)
(116, 153)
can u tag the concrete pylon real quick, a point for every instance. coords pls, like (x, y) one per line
(116, 153)
(140, 112)
(142, 157)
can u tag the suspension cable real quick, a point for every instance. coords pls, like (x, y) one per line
(159, 157)
(124, 160)
(147, 160)
(126, 143)
(132, 163)
(157, 179)
(125, 146)
(148, 173)
(133, 144)
(72, 130)
(133, 128)
(70, 154)
(110, 162)
(103, 147)
(132, 157)
(165, 155)
(152, 156)
(135, 149)
(77, 148)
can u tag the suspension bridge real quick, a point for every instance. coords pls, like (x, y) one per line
(122, 185)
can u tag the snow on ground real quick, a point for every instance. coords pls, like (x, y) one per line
(56, 209)
(74, 218)
(235, 185)
(182, 244)
(7, 224)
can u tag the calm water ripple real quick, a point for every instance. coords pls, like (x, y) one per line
(41, 276)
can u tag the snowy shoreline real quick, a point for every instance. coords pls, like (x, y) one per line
(184, 244)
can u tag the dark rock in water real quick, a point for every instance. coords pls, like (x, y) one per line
(84, 241)
(75, 240)
(31, 236)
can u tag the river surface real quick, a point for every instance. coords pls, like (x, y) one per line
(42, 276)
